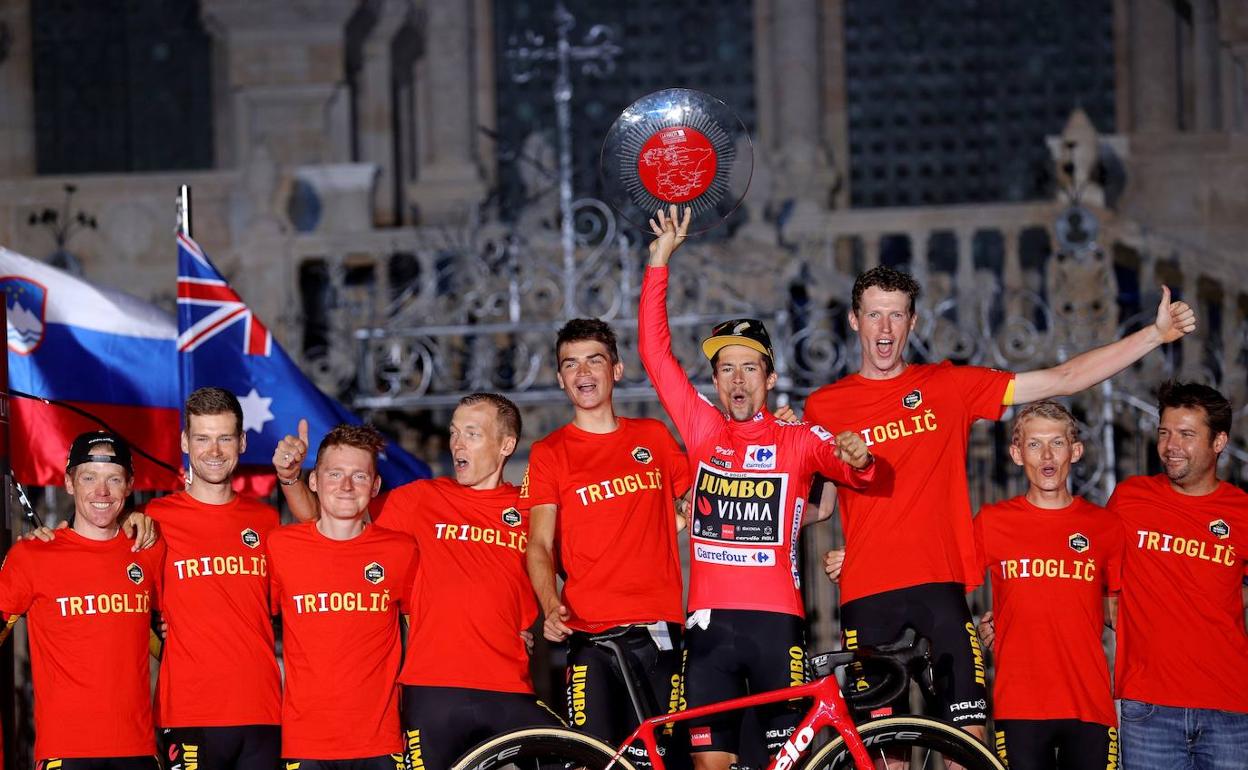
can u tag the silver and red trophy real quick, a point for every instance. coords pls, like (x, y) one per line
(680, 147)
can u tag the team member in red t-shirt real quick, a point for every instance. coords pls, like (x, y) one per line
(746, 629)
(1053, 558)
(466, 674)
(1182, 666)
(910, 554)
(88, 601)
(219, 693)
(339, 585)
(606, 485)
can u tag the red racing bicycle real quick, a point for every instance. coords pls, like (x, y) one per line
(928, 743)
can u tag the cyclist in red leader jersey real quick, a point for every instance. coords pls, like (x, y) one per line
(910, 556)
(751, 475)
(1053, 558)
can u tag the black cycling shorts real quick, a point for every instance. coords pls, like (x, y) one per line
(742, 652)
(383, 762)
(148, 762)
(238, 747)
(440, 724)
(1032, 744)
(597, 696)
(938, 612)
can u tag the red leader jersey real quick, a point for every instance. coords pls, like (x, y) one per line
(88, 610)
(750, 481)
(1181, 637)
(218, 667)
(471, 597)
(1050, 570)
(340, 602)
(915, 526)
(616, 521)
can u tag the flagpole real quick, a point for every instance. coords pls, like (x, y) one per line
(7, 674)
(184, 210)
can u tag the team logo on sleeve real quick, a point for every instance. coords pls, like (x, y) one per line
(1220, 529)
(374, 573)
(1077, 542)
(511, 517)
(251, 538)
(642, 455)
(913, 399)
(819, 431)
(135, 573)
(760, 458)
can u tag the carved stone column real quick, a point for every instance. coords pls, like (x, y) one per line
(282, 74)
(17, 107)
(449, 181)
(790, 120)
(375, 117)
(1205, 63)
(1154, 66)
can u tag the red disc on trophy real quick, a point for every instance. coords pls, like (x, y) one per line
(678, 147)
(676, 164)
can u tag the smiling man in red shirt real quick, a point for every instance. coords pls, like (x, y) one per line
(1182, 666)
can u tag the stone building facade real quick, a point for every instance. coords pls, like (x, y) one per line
(354, 151)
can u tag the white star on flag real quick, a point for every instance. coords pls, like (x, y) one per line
(255, 411)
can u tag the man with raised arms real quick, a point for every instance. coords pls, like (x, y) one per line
(88, 600)
(219, 691)
(752, 473)
(466, 676)
(1182, 664)
(910, 555)
(1053, 559)
(606, 485)
(339, 585)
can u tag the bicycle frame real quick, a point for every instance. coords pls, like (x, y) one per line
(828, 710)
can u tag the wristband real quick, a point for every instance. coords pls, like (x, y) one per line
(288, 482)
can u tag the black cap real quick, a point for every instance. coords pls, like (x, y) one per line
(749, 332)
(80, 450)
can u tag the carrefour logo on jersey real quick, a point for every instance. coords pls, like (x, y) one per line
(739, 507)
(737, 557)
(760, 458)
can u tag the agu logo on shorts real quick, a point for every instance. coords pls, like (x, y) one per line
(251, 538)
(913, 399)
(511, 517)
(1220, 529)
(642, 455)
(1077, 542)
(739, 507)
(374, 573)
(135, 573)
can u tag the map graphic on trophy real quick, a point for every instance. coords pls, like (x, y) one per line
(676, 146)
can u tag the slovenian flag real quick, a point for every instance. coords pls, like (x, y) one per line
(106, 358)
(221, 342)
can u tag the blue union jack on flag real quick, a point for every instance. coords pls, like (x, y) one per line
(222, 343)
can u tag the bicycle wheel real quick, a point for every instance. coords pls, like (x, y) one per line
(541, 748)
(930, 744)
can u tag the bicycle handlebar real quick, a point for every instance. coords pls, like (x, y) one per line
(906, 657)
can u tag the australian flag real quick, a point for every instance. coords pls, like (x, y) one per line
(221, 343)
